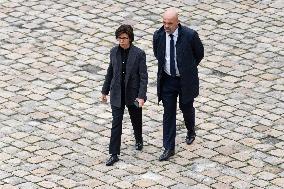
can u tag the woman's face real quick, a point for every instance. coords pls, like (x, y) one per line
(124, 40)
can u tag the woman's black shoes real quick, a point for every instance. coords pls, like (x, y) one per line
(113, 158)
(139, 146)
(189, 139)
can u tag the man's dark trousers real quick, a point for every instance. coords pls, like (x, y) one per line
(171, 89)
(116, 130)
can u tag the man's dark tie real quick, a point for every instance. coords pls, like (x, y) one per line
(172, 56)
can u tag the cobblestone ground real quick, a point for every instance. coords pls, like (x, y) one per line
(54, 132)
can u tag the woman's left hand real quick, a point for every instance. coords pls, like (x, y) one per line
(141, 102)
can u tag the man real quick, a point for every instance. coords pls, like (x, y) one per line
(126, 80)
(178, 50)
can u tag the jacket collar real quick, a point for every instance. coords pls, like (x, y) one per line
(162, 33)
(130, 59)
(180, 30)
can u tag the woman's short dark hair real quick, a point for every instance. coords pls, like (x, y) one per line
(125, 29)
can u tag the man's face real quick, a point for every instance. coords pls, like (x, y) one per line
(124, 40)
(170, 24)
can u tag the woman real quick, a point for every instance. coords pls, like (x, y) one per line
(126, 80)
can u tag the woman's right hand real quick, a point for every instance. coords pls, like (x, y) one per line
(104, 98)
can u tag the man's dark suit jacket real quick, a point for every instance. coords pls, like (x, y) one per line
(189, 52)
(136, 78)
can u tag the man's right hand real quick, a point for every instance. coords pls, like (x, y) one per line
(104, 98)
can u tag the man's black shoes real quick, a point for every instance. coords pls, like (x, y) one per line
(189, 139)
(166, 155)
(139, 145)
(113, 158)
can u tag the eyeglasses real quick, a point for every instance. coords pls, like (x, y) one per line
(122, 38)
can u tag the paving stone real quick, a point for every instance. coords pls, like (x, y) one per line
(8, 186)
(123, 184)
(260, 183)
(241, 184)
(221, 185)
(30, 185)
(226, 179)
(144, 183)
(266, 176)
(54, 58)
(47, 184)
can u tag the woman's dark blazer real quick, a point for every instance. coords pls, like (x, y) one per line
(136, 78)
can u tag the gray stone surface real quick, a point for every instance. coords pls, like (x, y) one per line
(54, 131)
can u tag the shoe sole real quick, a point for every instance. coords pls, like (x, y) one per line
(167, 158)
(112, 163)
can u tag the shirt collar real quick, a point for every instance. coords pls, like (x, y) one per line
(124, 50)
(175, 34)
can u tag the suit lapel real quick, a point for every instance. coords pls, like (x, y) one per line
(163, 45)
(130, 62)
(118, 61)
(180, 33)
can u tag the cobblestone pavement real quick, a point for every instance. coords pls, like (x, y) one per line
(54, 132)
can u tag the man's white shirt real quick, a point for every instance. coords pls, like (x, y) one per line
(167, 68)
